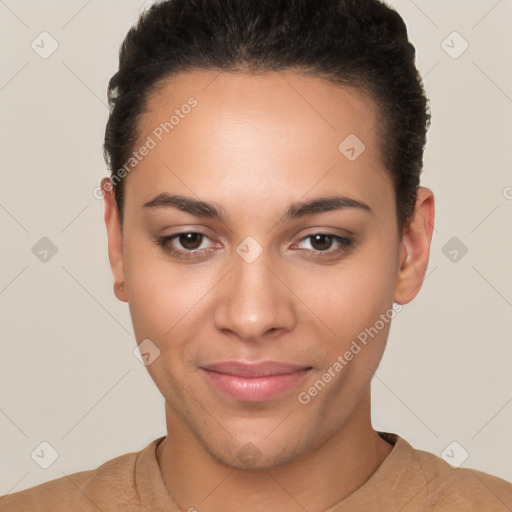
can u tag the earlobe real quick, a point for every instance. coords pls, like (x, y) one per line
(115, 239)
(119, 291)
(415, 248)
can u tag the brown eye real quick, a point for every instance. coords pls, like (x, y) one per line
(190, 241)
(185, 245)
(325, 245)
(321, 242)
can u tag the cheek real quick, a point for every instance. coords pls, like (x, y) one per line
(163, 296)
(166, 307)
(351, 303)
(352, 296)
(358, 307)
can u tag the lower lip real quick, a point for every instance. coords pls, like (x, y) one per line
(254, 389)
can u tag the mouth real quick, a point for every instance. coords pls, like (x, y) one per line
(254, 382)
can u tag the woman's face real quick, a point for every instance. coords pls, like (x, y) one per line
(258, 278)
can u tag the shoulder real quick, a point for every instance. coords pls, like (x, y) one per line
(110, 485)
(451, 488)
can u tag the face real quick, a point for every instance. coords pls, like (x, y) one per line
(251, 236)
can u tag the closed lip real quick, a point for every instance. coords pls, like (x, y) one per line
(255, 369)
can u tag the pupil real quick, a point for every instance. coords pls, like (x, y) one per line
(326, 239)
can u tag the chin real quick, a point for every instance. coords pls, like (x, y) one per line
(259, 454)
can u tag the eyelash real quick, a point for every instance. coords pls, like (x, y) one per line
(165, 243)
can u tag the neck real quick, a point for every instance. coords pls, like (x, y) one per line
(314, 481)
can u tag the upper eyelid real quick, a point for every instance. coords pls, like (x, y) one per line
(337, 238)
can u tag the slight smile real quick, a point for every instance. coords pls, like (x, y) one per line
(254, 382)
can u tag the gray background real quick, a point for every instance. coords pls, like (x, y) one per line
(68, 376)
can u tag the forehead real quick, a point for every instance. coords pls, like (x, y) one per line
(273, 98)
(241, 133)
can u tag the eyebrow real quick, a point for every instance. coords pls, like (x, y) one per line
(294, 211)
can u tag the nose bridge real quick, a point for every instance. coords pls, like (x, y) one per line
(252, 300)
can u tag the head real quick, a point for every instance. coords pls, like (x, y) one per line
(264, 204)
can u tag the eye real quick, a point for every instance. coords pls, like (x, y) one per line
(187, 245)
(322, 243)
(184, 245)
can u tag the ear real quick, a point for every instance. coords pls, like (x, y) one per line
(115, 238)
(415, 248)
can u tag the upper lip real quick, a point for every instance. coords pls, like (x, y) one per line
(259, 369)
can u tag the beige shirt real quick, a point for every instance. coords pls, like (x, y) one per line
(408, 480)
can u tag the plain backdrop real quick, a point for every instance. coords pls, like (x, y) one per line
(68, 375)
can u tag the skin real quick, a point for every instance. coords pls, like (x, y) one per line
(252, 146)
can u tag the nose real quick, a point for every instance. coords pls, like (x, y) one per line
(253, 302)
